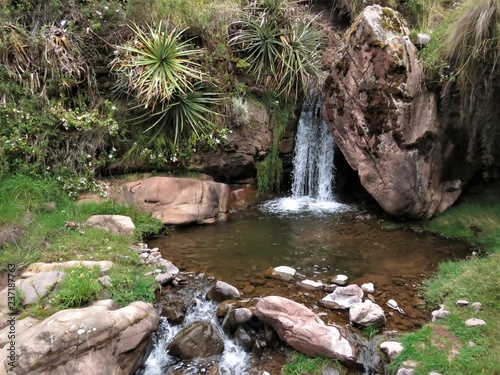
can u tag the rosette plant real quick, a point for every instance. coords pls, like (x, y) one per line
(158, 71)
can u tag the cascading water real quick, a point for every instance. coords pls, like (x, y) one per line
(313, 167)
(234, 360)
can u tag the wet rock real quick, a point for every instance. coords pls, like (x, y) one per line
(244, 339)
(118, 224)
(241, 198)
(248, 289)
(476, 306)
(462, 303)
(177, 201)
(166, 266)
(368, 288)
(367, 314)
(284, 273)
(119, 341)
(391, 348)
(236, 318)
(224, 308)
(343, 297)
(474, 322)
(311, 285)
(174, 311)
(165, 278)
(300, 328)
(258, 282)
(222, 291)
(340, 280)
(200, 339)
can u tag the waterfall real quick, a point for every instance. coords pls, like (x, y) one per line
(313, 168)
(313, 173)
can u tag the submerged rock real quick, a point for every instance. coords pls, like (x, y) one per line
(300, 328)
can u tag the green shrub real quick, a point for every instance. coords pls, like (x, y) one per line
(79, 287)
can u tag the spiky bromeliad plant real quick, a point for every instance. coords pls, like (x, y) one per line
(280, 47)
(159, 72)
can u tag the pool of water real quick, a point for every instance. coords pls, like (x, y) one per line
(319, 242)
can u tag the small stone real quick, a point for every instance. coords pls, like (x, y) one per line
(105, 281)
(476, 306)
(435, 373)
(439, 314)
(330, 371)
(474, 322)
(311, 285)
(248, 289)
(284, 272)
(471, 344)
(368, 288)
(405, 371)
(410, 364)
(340, 280)
(462, 303)
(391, 348)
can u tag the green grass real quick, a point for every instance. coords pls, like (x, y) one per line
(49, 240)
(300, 364)
(476, 219)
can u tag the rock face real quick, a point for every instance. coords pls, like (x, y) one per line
(91, 340)
(200, 339)
(386, 124)
(248, 141)
(301, 329)
(180, 200)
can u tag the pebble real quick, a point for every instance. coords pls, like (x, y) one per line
(368, 288)
(462, 303)
(476, 306)
(474, 322)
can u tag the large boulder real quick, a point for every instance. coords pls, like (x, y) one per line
(180, 200)
(91, 340)
(300, 328)
(200, 339)
(386, 124)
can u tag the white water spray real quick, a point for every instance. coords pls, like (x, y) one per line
(234, 360)
(313, 167)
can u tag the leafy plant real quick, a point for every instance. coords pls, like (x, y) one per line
(282, 50)
(160, 72)
(79, 287)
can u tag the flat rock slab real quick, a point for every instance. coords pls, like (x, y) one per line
(118, 224)
(35, 268)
